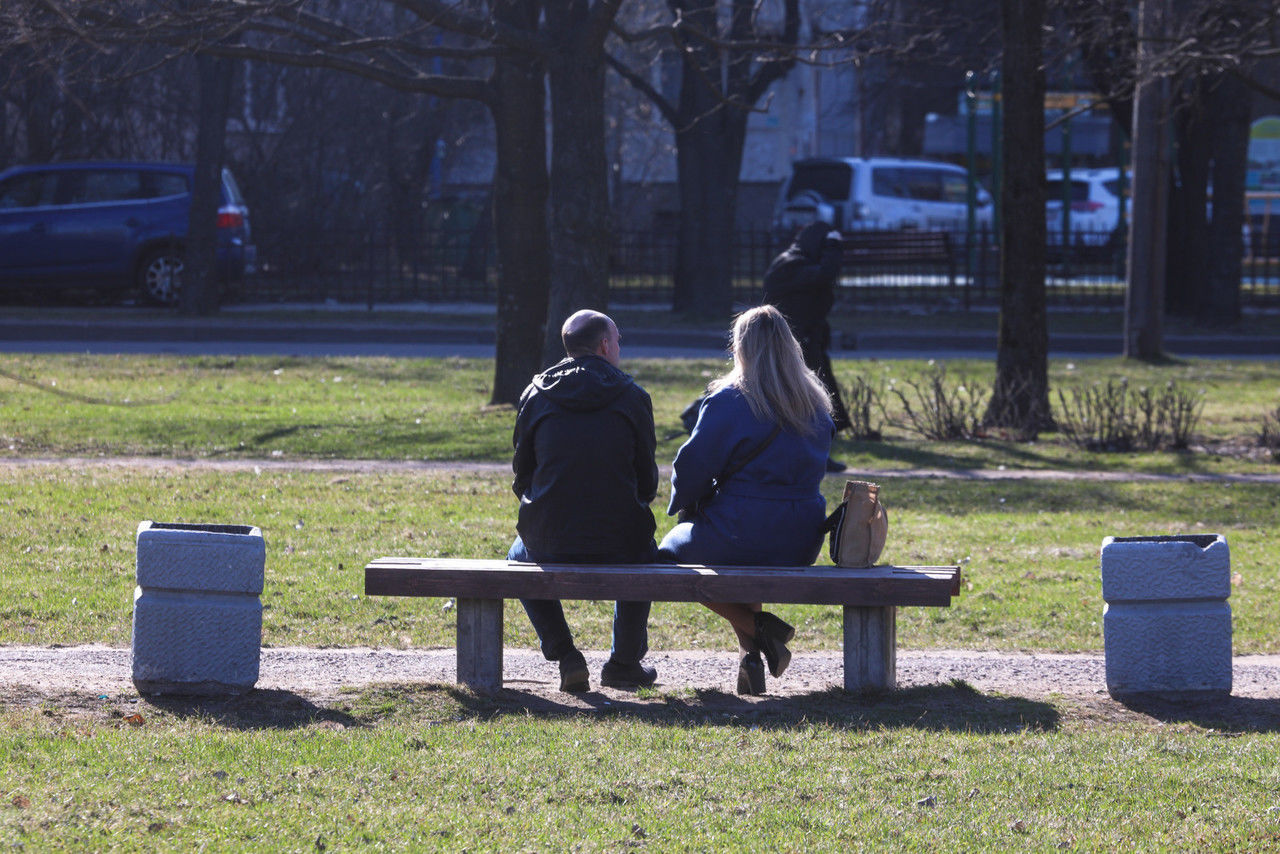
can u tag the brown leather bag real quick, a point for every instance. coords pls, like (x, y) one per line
(858, 527)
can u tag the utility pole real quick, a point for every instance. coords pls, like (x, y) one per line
(1144, 296)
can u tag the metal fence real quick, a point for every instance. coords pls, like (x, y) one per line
(451, 266)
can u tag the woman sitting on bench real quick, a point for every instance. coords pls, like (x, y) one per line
(747, 482)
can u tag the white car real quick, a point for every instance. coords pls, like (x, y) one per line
(889, 193)
(1095, 196)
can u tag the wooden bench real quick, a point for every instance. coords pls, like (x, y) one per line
(864, 249)
(870, 598)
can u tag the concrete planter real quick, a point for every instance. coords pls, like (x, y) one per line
(1166, 622)
(197, 615)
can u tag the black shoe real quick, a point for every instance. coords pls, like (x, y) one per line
(615, 674)
(772, 635)
(751, 674)
(574, 677)
(835, 465)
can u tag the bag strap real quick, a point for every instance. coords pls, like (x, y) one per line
(755, 452)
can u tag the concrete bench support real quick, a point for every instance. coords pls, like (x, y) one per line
(1166, 623)
(480, 643)
(870, 648)
(197, 612)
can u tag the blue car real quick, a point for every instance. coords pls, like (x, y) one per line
(111, 226)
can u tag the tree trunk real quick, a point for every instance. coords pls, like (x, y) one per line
(581, 235)
(200, 290)
(709, 159)
(1020, 399)
(1144, 294)
(1230, 108)
(520, 215)
(1187, 252)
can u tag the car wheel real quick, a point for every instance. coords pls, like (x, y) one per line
(160, 276)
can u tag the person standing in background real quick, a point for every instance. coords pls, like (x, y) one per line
(801, 283)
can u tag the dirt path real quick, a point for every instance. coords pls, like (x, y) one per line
(321, 674)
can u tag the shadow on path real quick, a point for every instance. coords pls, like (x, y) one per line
(256, 710)
(953, 707)
(1228, 715)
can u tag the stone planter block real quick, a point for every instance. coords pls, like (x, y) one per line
(197, 612)
(1166, 621)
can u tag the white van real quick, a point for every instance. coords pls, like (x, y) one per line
(858, 193)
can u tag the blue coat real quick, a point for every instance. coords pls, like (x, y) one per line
(768, 513)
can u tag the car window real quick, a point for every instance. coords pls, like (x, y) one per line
(829, 180)
(1079, 190)
(32, 190)
(924, 185)
(157, 185)
(888, 181)
(108, 186)
(955, 188)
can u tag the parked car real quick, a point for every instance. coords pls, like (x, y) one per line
(1095, 205)
(855, 193)
(111, 226)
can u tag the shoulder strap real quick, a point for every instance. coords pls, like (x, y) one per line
(755, 452)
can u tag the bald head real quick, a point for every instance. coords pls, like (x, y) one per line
(588, 333)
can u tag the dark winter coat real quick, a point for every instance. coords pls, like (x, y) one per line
(801, 281)
(770, 512)
(584, 461)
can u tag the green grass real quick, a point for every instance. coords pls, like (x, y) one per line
(429, 768)
(364, 408)
(1029, 551)
(422, 767)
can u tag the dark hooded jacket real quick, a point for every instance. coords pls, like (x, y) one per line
(801, 281)
(584, 461)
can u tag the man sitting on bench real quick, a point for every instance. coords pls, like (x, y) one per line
(585, 473)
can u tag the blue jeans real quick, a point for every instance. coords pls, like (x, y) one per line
(630, 619)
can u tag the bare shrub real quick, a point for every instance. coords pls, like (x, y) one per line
(1013, 412)
(1179, 414)
(1269, 437)
(1113, 417)
(940, 410)
(862, 400)
(1098, 418)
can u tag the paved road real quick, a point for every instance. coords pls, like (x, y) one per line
(233, 333)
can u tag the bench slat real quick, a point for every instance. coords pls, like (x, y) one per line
(820, 585)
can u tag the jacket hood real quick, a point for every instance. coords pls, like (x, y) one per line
(809, 240)
(582, 383)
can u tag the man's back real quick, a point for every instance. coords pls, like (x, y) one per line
(584, 462)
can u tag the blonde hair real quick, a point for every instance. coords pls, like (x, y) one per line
(769, 370)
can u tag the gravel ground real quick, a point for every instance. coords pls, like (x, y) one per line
(79, 676)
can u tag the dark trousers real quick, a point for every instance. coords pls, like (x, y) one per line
(814, 348)
(630, 619)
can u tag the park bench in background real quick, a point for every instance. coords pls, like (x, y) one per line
(872, 251)
(870, 598)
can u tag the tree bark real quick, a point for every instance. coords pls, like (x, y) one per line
(708, 161)
(718, 87)
(1187, 250)
(520, 191)
(1144, 295)
(200, 290)
(1020, 399)
(581, 235)
(1230, 108)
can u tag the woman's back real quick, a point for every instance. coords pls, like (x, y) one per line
(770, 512)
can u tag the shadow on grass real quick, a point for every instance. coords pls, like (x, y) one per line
(952, 707)
(1232, 715)
(258, 709)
